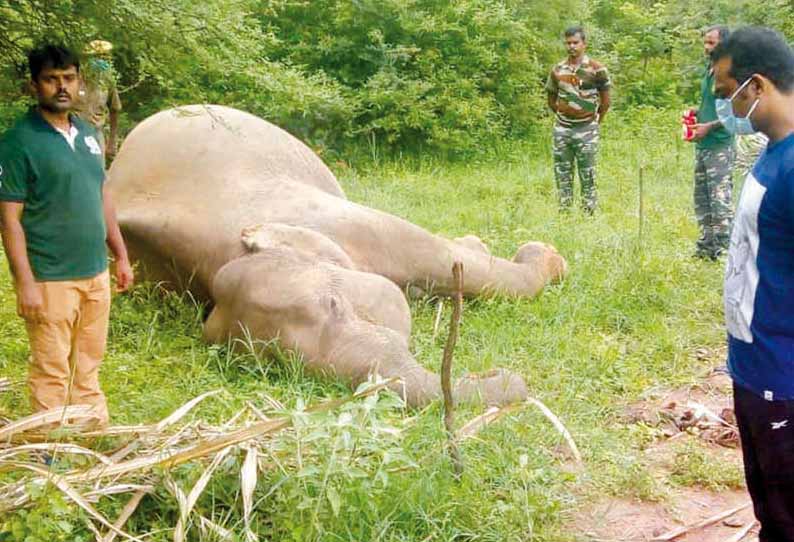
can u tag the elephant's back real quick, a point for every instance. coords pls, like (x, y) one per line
(207, 151)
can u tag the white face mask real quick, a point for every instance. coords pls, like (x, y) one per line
(732, 123)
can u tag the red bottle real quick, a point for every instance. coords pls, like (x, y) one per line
(688, 120)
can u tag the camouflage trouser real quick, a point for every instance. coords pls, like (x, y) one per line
(748, 149)
(713, 203)
(579, 144)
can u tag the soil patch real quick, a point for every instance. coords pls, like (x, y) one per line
(620, 520)
(703, 411)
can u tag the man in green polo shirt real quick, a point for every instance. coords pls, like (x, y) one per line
(714, 157)
(57, 219)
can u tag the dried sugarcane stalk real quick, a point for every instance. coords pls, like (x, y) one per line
(560, 427)
(439, 314)
(478, 423)
(446, 368)
(15, 495)
(128, 510)
(44, 418)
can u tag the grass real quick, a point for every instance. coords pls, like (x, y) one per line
(629, 317)
(693, 465)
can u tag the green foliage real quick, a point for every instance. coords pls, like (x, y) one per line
(345, 464)
(696, 465)
(642, 44)
(450, 75)
(655, 47)
(423, 75)
(51, 519)
(177, 52)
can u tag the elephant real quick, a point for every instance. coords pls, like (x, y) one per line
(246, 217)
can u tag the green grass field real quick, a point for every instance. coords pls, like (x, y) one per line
(628, 318)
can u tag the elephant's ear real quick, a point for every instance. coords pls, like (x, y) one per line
(255, 238)
(308, 243)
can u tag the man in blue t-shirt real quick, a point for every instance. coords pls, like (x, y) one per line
(754, 72)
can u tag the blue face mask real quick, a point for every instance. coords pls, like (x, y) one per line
(100, 64)
(732, 123)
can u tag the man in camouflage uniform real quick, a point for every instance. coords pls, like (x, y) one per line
(98, 99)
(714, 159)
(748, 149)
(578, 93)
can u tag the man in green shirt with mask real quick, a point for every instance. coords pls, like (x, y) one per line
(99, 100)
(714, 158)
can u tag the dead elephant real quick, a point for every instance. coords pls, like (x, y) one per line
(247, 217)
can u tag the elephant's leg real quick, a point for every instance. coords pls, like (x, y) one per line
(171, 248)
(307, 306)
(149, 248)
(473, 242)
(407, 254)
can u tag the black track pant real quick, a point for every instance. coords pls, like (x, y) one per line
(767, 434)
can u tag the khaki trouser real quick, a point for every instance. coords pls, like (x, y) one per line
(67, 345)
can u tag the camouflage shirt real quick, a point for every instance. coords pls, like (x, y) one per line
(577, 88)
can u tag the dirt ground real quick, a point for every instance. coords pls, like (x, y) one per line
(703, 411)
(617, 520)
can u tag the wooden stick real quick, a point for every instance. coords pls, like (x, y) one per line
(446, 368)
(675, 533)
(742, 532)
(641, 214)
(473, 426)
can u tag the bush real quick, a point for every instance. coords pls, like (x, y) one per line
(448, 77)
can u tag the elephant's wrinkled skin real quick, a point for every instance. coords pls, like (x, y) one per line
(244, 215)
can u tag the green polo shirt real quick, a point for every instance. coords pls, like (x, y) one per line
(707, 112)
(61, 189)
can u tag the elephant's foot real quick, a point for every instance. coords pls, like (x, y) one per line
(498, 387)
(543, 258)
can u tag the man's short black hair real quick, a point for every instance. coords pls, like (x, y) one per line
(51, 56)
(755, 49)
(722, 31)
(573, 30)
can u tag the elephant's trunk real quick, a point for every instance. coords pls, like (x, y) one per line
(357, 350)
